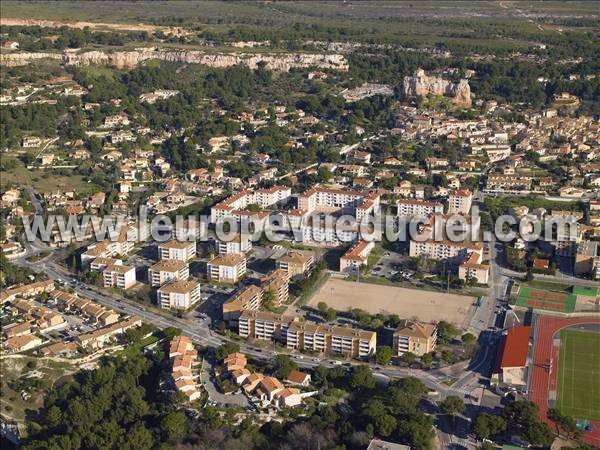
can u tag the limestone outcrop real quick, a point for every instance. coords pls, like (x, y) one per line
(129, 59)
(421, 84)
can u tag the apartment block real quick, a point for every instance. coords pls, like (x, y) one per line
(102, 263)
(241, 200)
(167, 270)
(459, 202)
(587, 259)
(416, 337)
(473, 269)
(248, 298)
(336, 199)
(278, 282)
(295, 263)
(189, 229)
(444, 250)
(119, 276)
(356, 256)
(264, 325)
(331, 339)
(239, 244)
(106, 249)
(174, 249)
(226, 268)
(409, 208)
(179, 294)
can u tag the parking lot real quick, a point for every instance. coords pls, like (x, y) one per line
(392, 265)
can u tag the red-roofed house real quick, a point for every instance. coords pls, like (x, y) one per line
(513, 362)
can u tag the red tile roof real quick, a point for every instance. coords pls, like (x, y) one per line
(516, 347)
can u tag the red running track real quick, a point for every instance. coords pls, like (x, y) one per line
(542, 379)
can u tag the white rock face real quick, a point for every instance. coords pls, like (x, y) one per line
(123, 60)
(421, 85)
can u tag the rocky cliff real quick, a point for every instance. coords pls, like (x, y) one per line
(421, 85)
(129, 59)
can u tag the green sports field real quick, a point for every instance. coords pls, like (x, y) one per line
(548, 300)
(579, 374)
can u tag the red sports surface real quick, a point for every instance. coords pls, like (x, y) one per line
(545, 366)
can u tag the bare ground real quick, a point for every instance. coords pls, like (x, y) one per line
(426, 306)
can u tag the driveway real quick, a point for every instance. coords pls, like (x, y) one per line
(218, 397)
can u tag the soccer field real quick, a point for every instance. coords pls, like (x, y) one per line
(579, 374)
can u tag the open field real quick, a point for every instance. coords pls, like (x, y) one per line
(405, 22)
(578, 374)
(25, 382)
(148, 11)
(427, 306)
(41, 180)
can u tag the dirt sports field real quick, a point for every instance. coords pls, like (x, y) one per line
(427, 306)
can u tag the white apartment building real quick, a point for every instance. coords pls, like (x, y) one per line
(336, 199)
(444, 250)
(174, 249)
(181, 294)
(410, 208)
(459, 202)
(167, 270)
(356, 256)
(241, 200)
(331, 339)
(226, 268)
(119, 276)
(329, 234)
(189, 229)
(106, 249)
(239, 244)
(264, 325)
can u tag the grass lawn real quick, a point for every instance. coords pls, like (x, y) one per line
(550, 285)
(44, 180)
(578, 375)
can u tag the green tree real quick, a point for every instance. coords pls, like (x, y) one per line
(487, 425)
(468, 338)
(567, 423)
(409, 357)
(361, 377)
(330, 315)
(539, 434)
(427, 359)
(446, 331)
(284, 365)
(226, 349)
(173, 424)
(384, 354)
(451, 406)
(171, 332)
(269, 298)
(385, 424)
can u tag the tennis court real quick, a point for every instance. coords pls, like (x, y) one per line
(578, 374)
(548, 300)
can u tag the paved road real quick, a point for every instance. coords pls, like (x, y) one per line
(200, 332)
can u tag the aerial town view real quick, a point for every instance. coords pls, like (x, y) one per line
(314, 225)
